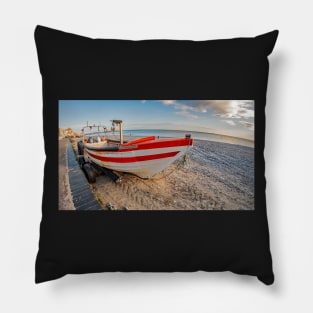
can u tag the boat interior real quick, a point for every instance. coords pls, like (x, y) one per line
(103, 143)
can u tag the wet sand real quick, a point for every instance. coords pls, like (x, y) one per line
(217, 176)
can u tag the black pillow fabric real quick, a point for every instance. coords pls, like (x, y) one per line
(80, 72)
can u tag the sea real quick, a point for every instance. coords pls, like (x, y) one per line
(194, 134)
(180, 133)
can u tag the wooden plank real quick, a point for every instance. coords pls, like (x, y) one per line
(82, 195)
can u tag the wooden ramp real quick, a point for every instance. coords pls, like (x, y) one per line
(83, 198)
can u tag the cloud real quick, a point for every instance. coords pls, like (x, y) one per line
(187, 114)
(176, 105)
(168, 102)
(222, 108)
(226, 108)
(248, 125)
(143, 101)
(230, 122)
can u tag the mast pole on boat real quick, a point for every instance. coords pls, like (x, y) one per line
(120, 125)
(121, 132)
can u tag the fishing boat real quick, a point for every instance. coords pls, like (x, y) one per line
(144, 157)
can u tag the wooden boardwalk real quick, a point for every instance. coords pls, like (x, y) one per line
(83, 198)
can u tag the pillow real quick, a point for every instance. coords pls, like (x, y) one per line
(135, 182)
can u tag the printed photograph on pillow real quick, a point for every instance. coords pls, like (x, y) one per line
(156, 155)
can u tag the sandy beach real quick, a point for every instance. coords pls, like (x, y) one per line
(216, 176)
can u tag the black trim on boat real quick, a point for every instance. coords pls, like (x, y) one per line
(109, 148)
(115, 141)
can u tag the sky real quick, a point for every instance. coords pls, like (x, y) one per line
(226, 117)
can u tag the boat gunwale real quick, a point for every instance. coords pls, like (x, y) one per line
(148, 145)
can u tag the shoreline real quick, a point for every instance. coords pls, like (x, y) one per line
(189, 131)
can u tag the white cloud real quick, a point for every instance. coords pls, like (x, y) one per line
(230, 122)
(249, 125)
(222, 108)
(168, 102)
(176, 105)
(187, 114)
(226, 108)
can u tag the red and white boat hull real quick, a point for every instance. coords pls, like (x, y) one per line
(144, 159)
